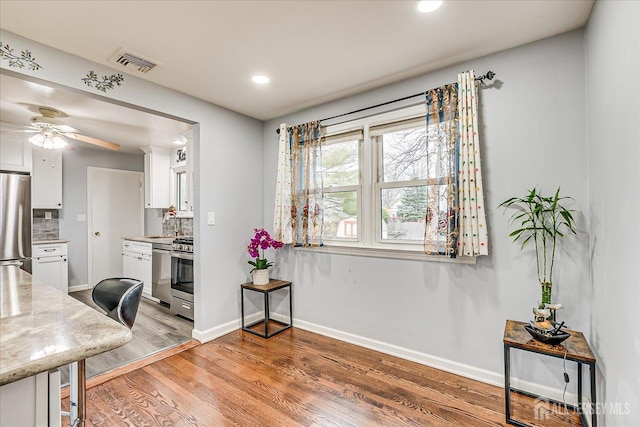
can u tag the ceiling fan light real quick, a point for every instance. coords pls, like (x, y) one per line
(58, 142)
(37, 139)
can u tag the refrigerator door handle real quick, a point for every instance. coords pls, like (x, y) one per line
(15, 262)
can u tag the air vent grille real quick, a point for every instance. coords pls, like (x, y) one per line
(132, 60)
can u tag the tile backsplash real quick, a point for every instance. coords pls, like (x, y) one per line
(184, 226)
(46, 228)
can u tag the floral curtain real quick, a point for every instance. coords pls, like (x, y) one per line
(442, 138)
(455, 220)
(473, 235)
(306, 177)
(282, 230)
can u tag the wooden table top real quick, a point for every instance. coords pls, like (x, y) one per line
(576, 345)
(273, 285)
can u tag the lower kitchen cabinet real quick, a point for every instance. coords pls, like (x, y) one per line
(32, 401)
(136, 263)
(50, 265)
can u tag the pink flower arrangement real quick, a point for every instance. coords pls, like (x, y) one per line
(260, 242)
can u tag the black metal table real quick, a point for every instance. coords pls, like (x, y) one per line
(575, 349)
(273, 285)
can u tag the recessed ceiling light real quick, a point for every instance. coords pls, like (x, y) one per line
(426, 6)
(261, 80)
(180, 140)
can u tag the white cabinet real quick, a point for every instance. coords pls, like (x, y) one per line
(50, 265)
(136, 263)
(15, 154)
(46, 186)
(32, 401)
(157, 177)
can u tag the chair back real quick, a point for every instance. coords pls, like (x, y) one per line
(119, 297)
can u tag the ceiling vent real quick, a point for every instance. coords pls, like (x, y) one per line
(133, 60)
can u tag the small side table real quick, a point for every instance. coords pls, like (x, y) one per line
(576, 350)
(273, 285)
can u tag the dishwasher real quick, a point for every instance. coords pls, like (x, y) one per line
(161, 272)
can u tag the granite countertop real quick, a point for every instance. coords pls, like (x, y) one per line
(42, 328)
(44, 242)
(151, 239)
(154, 239)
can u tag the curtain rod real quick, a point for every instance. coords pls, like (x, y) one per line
(488, 76)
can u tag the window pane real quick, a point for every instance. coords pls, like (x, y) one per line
(182, 191)
(340, 163)
(341, 215)
(403, 213)
(404, 155)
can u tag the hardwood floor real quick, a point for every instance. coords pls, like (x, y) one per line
(298, 378)
(155, 329)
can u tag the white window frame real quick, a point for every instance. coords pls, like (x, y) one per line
(370, 242)
(344, 188)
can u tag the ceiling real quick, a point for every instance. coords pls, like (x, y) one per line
(313, 51)
(130, 128)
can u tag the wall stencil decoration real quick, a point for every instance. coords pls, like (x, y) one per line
(108, 82)
(25, 58)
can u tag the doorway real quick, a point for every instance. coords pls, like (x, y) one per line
(115, 209)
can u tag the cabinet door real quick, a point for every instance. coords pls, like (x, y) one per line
(146, 270)
(157, 177)
(47, 179)
(138, 266)
(15, 155)
(53, 271)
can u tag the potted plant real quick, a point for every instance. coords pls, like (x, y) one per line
(540, 220)
(259, 243)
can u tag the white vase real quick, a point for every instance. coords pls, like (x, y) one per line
(261, 277)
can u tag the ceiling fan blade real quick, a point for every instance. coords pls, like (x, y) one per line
(14, 125)
(94, 141)
(21, 131)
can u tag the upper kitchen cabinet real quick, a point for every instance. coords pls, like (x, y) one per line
(15, 155)
(46, 183)
(157, 177)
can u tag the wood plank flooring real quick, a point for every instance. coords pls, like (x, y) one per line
(154, 330)
(298, 378)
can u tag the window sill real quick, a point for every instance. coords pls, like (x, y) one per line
(385, 253)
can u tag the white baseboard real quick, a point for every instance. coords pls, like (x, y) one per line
(218, 331)
(450, 366)
(78, 288)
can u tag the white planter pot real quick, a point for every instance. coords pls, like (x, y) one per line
(261, 277)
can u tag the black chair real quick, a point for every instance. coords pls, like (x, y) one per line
(119, 298)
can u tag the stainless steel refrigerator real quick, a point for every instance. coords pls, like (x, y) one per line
(15, 220)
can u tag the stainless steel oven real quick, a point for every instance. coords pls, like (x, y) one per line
(182, 278)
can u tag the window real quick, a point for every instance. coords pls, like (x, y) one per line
(375, 181)
(181, 190)
(342, 190)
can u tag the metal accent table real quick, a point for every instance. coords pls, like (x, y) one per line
(577, 350)
(273, 285)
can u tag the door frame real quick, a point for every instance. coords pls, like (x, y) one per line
(90, 172)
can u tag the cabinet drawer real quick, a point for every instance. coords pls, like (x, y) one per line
(137, 247)
(49, 249)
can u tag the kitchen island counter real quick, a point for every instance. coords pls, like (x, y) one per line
(42, 328)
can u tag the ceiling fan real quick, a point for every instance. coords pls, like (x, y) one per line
(49, 131)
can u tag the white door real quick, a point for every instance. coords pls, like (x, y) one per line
(115, 210)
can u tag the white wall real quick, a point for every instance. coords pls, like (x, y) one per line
(74, 201)
(613, 113)
(533, 133)
(227, 171)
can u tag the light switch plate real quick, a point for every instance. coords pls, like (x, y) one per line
(211, 218)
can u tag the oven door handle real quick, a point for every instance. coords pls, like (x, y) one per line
(182, 255)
